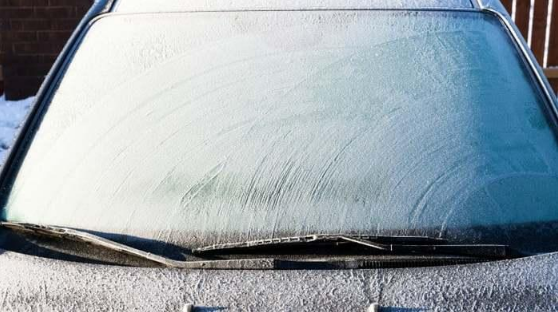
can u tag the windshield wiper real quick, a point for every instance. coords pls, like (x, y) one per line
(389, 245)
(81, 236)
(392, 245)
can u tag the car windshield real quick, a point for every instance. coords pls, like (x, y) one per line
(216, 127)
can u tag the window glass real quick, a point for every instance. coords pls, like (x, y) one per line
(216, 127)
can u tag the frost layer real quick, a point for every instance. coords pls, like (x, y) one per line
(213, 127)
(36, 284)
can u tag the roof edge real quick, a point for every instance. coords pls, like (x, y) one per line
(150, 6)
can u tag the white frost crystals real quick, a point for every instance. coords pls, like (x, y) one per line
(209, 128)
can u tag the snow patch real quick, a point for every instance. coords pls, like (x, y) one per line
(12, 115)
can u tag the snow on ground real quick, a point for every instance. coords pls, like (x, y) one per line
(12, 114)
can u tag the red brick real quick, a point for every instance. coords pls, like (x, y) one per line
(55, 12)
(9, 70)
(81, 10)
(22, 3)
(21, 87)
(5, 25)
(36, 48)
(18, 36)
(70, 2)
(31, 59)
(28, 70)
(33, 33)
(13, 12)
(61, 36)
(30, 24)
(65, 24)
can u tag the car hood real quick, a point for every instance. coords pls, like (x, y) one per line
(32, 283)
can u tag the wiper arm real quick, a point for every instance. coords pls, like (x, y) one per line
(81, 236)
(399, 245)
(407, 245)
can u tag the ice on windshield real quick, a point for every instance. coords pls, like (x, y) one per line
(214, 127)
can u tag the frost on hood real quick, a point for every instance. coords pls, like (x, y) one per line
(212, 127)
(36, 284)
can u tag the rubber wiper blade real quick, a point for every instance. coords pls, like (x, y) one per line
(85, 237)
(406, 245)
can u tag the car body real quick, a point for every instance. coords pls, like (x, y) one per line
(31, 282)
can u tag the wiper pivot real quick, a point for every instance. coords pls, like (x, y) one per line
(81, 236)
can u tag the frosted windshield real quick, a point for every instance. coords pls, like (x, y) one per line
(215, 127)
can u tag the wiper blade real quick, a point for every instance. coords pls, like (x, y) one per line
(405, 245)
(390, 245)
(81, 236)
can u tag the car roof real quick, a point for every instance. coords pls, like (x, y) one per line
(146, 6)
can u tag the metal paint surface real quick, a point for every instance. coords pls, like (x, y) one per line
(37, 284)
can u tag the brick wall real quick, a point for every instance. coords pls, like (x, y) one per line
(32, 33)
